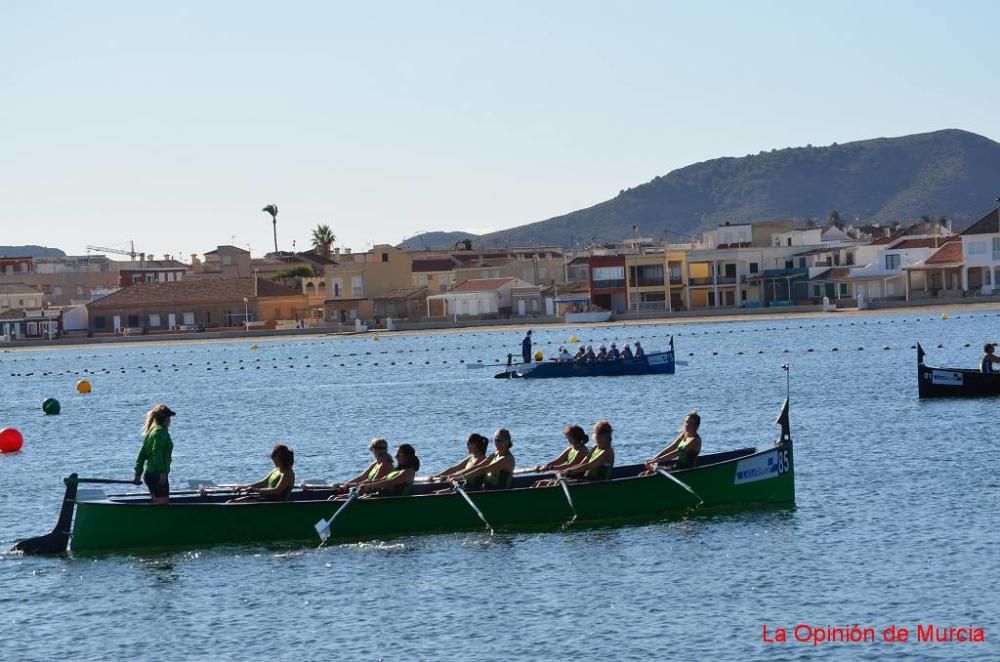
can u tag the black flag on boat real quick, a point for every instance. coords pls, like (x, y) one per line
(920, 354)
(782, 420)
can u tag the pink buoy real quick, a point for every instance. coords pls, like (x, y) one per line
(10, 440)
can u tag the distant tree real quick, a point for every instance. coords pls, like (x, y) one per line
(322, 240)
(295, 271)
(811, 223)
(835, 219)
(463, 245)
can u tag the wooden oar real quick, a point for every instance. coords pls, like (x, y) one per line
(666, 474)
(458, 488)
(323, 526)
(569, 499)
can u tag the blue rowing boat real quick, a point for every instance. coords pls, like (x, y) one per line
(652, 363)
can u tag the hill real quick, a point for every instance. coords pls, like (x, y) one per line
(950, 173)
(436, 240)
(30, 251)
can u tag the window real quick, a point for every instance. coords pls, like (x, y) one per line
(357, 286)
(20, 302)
(843, 289)
(802, 263)
(892, 262)
(338, 287)
(977, 248)
(100, 322)
(133, 320)
(154, 319)
(754, 268)
(188, 319)
(609, 273)
(9, 269)
(227, 260)
(24, 267)
(57, 290)
(996, 249)
(850, 259)
(789, 240)
(789, 264)
(816, 290)
(385, 257)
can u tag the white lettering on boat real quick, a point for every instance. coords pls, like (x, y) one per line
(946, 378)
(761, 467)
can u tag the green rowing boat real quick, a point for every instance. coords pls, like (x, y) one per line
(734, 479)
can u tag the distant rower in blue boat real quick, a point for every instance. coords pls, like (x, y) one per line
(989, 358)
(639, 353)
(526, 347)
(602, 353)
(626, 352)
(613, 353)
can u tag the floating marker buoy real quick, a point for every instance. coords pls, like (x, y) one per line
(573, 339)
(539, 356)
(375, 338)
(944, 316)
(10, 440)
(83, 386)
(51, 406)
(254, 347)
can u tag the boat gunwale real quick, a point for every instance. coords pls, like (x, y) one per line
(189, 500)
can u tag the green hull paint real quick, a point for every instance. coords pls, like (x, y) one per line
(764, 478)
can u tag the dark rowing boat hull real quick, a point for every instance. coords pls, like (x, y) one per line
(653, 363)
(954, 382)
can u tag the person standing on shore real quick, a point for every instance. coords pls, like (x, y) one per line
(526, 347)
(155, 454)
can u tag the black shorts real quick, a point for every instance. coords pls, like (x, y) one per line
(156, 488)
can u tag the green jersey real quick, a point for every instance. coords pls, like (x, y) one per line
(155, 453)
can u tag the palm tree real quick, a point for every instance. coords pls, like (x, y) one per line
(322, 240)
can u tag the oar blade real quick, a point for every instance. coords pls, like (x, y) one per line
(323, 530)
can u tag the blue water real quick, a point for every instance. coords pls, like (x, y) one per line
(896, 520)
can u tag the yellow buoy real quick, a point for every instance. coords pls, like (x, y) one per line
(944, 316)
(254, 347)
(539, 356)
(572, 339)
(83, 386)
(375, 337)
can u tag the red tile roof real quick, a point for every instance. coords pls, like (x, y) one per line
(198, 291)
(482, 284)
(950, 253)
(881, 241)
(402, 293)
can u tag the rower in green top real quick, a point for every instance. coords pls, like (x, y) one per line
(683, 451)
(574, 454)
(476, 445)
(600, 462)
(498, 469)
(399, 481)
(277, 485)
(153, 463)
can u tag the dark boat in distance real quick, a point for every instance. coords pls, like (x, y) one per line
(954, 382)
(651, 363)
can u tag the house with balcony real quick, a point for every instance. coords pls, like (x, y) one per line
(66, 280)
(655, 280)
(885, 274)
(940, 274)
(980, 270)
(357, 279)
(437, 274)
(481, 297)
(608, 285)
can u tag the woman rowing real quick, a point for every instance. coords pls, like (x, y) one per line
(278, 484)
(476, 445)
(498, 469)
(600, 462)
(153, 463)
(683, 451)
(574, 454)
(399, 481)
(380, 466)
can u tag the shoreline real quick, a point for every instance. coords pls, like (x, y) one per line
(327, 334)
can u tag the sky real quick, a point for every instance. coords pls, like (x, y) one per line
(173, 124)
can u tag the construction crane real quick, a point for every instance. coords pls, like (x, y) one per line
(117, 251)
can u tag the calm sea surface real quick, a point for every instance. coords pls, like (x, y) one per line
(896, 523)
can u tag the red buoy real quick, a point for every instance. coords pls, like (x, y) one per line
(10, 440)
